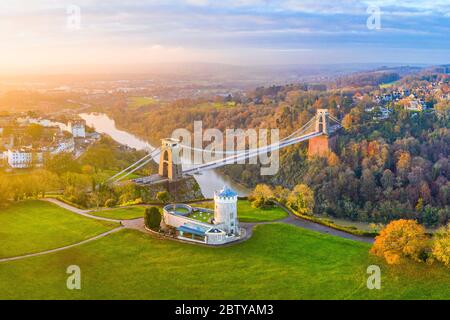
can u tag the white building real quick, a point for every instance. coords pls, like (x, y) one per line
(77, 128)
(24, 158)
(223, 227)
(20, 159)
(382, 112)
(225, 210)
(64, 146)
(415, 105)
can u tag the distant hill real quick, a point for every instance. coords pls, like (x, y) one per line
(376, 77)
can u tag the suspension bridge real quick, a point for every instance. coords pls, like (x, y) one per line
(317, 131)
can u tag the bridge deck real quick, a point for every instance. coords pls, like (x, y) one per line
(149, 180)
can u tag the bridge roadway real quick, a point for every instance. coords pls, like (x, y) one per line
(251, 153)
(238, 157)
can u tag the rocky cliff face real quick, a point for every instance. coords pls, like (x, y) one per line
(186, 189)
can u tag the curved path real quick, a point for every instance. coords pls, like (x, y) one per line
(138, 224)
(294, 220)
(62, 248)
(81, 212)
(84, 213)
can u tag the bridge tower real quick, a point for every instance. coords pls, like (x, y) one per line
(169, 161)
(321, 145)
(322, 121)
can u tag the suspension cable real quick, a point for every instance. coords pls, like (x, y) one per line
(302, 130)
(146, 160)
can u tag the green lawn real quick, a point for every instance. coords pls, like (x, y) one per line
(202, 216)
(137, 102)
(121, 213)
(246, 213)
(278, 262)
(110, 173)
(34, 226)
(388, 85)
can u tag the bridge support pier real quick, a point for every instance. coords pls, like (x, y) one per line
(322, 145)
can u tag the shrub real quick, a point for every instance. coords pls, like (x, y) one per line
(301, 199)
(152, 218)
(163, 196)
(110, 203)
(401, 239)
(441, 245)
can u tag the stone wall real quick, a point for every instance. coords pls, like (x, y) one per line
(321, 146)
(186, 189)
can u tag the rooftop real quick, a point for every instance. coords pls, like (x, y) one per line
(226, 192)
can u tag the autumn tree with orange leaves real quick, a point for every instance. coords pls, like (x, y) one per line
(401, 239)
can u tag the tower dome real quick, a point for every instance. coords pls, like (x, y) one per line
(226, 192)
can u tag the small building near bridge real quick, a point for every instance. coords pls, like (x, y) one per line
(202, 225)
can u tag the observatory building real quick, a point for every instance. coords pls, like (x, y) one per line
(214, 227)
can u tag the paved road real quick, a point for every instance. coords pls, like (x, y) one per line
(306, 224)
(310, 225)
(84, 213)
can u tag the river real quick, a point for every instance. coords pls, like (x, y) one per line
(209, 181)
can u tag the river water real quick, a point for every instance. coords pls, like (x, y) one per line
(209, 181)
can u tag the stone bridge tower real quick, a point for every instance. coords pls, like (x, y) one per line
(321, 145)
(170, 161)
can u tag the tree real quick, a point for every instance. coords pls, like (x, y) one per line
(443, 108)
(261, 196)
(401, 239)
(101, 156)
(62, 163)
(281, 194)
(110, 203)
(5, 189)
(387, 180)
(35, 131)
(404, 164)
(430, 216)
(45, 181)
(351, 120)
(163, 196)
(441, 245)
(347, 122)
(152, 218)
(128, 192)
(333, 159)
(301, 199)
(368, 186)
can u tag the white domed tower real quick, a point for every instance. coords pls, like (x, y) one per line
(225, 211)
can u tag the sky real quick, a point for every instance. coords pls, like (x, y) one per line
(89, 36)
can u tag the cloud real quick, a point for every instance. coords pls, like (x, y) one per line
(221, 30)
(198, 2)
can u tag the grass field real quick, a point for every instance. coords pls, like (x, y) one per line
(202, 216)
(246, 213)
(388, 85)
(137, 102)
(35, 226)
(121, 213)
(278, 262)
